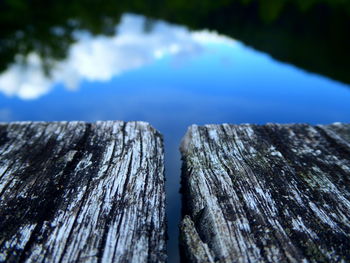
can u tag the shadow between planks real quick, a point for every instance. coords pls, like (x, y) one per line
(94, 192)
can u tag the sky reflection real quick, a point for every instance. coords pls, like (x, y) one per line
(172, 78)
(102, 58)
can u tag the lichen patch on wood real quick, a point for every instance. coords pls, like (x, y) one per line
(271, 193)
(81, 192)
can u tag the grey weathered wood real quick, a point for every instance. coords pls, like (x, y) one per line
(272, 193)
(81, 192)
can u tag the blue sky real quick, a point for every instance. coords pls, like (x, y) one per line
(223, 83)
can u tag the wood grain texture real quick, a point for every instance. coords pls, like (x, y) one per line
(272, 193)
(81, 192)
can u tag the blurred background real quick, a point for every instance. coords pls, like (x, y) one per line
(175, 63)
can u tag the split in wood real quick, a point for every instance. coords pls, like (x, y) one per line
(94, 192)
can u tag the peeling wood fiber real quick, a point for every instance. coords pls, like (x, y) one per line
(81, 192)
(271, 193)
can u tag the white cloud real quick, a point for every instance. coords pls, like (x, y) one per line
(101, 58)
(26, 82)
(212, 37)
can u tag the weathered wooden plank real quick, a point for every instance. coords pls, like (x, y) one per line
(272, 193)
(81, 192)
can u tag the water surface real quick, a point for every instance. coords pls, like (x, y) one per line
(172, 77)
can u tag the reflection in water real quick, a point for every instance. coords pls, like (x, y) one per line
(311, 34)
(101, 58)
(170, 76)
